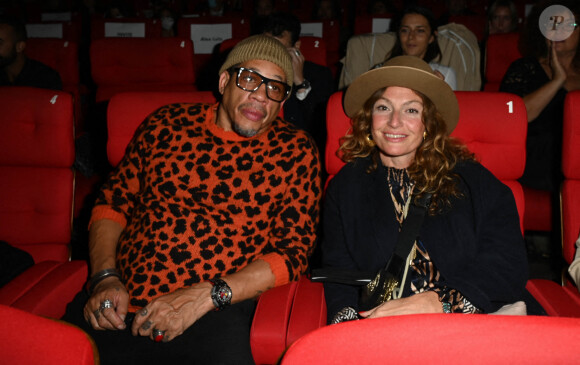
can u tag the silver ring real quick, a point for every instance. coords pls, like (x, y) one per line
(297, 53)
(106, 304)
(97, 314)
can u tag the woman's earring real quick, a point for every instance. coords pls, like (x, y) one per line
(370, 141)
(424, 135)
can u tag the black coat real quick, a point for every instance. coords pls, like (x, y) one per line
(477, 244)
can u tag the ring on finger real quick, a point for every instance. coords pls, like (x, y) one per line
(297, 53)
(97, 314)
(106, 304)
(158, 335)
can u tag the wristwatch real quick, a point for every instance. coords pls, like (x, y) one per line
(304, 85)
(221, 294)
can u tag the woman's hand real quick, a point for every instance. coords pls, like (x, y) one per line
(558, 72)
(113, 290)
(426, 302)
(173, 313)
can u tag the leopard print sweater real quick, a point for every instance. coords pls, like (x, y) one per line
(197, 202)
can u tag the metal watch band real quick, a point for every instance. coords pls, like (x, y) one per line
(221, 294)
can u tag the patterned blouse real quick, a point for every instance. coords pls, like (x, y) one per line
(423, 275)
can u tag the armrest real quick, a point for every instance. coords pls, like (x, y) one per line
(270, 324)
(46, 288)
(308, 310)
(556, 300)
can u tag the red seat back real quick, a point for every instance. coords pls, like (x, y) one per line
(479, 339)
(475, 23)
(31, 339)
(63, 56)
(492, 125)
(141, 64)
(571, 168)
(501, 51)
(314, 49)
(36, 188)
(126, 111)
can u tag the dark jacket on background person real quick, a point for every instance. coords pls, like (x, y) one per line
(34, 74)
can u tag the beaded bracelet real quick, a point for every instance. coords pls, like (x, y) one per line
(100, 276)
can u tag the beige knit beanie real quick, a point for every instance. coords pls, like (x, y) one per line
(261, 47)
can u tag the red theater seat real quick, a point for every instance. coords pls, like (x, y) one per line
(556, 299)
(314, 49)
(63, 56)
(36, 197)
(126, 111)
(501, 51)
(470, 339)
(30, 339)
(141, 64)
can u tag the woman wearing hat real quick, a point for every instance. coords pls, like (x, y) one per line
(468, 254)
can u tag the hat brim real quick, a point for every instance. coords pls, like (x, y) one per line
(427, 83)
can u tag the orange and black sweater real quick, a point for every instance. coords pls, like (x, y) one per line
(197, 202)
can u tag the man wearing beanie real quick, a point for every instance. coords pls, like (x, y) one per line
(211, 206)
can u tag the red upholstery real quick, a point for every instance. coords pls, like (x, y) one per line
(558, 300)
(126, 111)
(30, 339)
(270, 324)
(228, 44)
(331, 34)
(571, 170)
(475, 23)
(314, 49)
(493, 125)
(501, 51)
(36, 196)
(470, 339)
(141, 64)
(62, 56)
(152, 27)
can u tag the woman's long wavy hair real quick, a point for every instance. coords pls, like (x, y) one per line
(431, 170)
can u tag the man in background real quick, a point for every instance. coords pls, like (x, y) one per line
(16, 69)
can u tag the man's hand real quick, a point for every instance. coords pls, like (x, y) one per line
(111, 289)
(297, 63)
(173, 313)
(426, 302)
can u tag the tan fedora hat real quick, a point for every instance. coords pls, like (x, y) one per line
(404, 71)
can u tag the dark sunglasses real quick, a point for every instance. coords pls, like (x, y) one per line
(251, 81)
